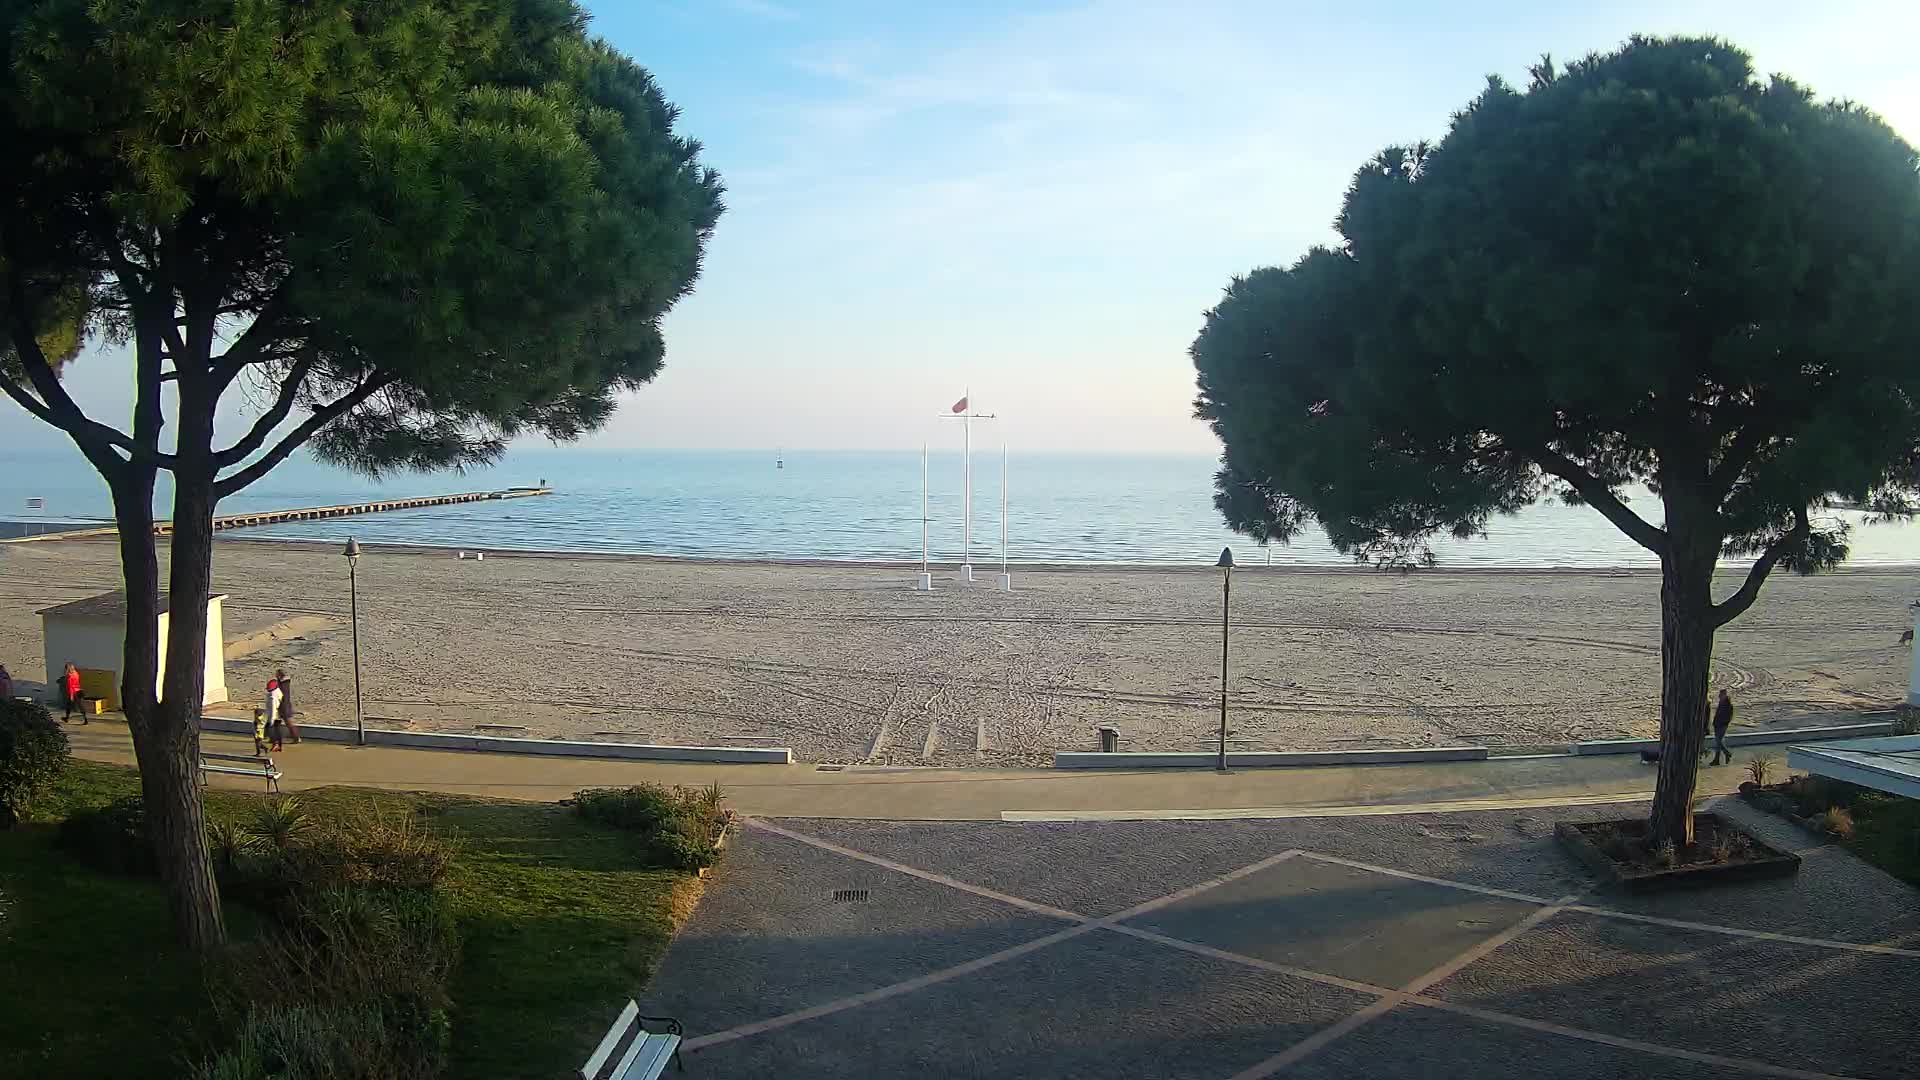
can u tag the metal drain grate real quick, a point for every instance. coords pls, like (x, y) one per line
(829, 768)
(849, 896)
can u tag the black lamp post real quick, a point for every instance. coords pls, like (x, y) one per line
(1226, 608)
(353, 591)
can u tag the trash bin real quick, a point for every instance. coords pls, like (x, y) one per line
(1109, 739)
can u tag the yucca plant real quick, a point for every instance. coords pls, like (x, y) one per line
(228, 841)
(279, 822)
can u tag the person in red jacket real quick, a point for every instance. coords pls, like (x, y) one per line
(70, 690)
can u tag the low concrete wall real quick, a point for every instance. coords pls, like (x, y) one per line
(1262, 760)
(432, 740)
(1745, 738)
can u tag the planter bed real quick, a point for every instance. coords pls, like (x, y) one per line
(1722, 852)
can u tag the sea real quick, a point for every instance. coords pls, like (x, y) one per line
(863, 506)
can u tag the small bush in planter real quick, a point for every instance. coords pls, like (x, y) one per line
(33, 753)
(112, 837)
(1837, 821)
(1760, 768)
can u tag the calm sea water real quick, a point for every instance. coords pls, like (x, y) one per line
(843, 505)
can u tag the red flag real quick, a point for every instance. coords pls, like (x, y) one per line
(960, 406)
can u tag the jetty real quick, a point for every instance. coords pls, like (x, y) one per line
(306, 513)
(311, 513)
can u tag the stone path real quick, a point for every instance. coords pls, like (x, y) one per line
(1458, 945)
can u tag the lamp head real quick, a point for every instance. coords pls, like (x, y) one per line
(1226, 559)
(352, 551)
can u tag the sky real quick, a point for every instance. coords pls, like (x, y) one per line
(1039, 202)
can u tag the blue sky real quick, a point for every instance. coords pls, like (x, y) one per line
(1040, 201)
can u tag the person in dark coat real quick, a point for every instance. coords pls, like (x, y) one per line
(286, 702)
(1722, 719)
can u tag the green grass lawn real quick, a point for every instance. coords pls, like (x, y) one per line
(560, 922)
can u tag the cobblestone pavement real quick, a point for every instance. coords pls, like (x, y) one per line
(1431, 946)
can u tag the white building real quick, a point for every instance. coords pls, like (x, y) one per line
(91, 633)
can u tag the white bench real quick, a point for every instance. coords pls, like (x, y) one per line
(646, 1052)
(245, 765)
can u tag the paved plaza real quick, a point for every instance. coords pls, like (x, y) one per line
(1432, 946)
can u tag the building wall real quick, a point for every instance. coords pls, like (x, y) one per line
(216, 688)
(99, 643)
(89, 643)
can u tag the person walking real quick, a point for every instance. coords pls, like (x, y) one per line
(70, 691)
(1722, 719)
(259, 732)
(278, 725)
(286, 702)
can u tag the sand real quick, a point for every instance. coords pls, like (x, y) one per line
(848, 664)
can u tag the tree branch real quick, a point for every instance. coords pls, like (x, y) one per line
(1736, 605)
(322, 416)
(252, 343)
(273, 418)
(54, 406)
(1740, 454)
(1601, 498)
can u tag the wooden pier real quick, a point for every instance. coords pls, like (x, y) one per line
(305, 513)
(313, 513)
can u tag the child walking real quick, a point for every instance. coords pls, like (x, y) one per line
(259, 732)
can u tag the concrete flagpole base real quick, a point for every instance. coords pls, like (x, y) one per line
(1006, 583)
(966, 572)
(923, 583)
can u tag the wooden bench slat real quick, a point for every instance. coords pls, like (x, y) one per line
(647, 1058)
(275, 773)
(263, 768)
(628, 1017)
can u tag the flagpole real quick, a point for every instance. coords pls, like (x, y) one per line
(924, 583)
(1006, 579)
(966, 557)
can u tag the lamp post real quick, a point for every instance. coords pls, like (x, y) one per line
(352, 553)
(1226, 609)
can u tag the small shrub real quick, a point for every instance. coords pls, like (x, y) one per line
(230, 845)
(374, 851)
(33, 753)
(710, 799)
(1837, 821)
(1907, 721)
(640, 808)
(678, 825)
(111, 837)
(279, 822)
(1666, 856)
(1760, 768)
(1723, 847)
(353, 984)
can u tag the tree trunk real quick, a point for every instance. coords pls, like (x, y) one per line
(1686, 661)
(175, 814)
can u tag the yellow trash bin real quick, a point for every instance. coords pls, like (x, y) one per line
(100, 686)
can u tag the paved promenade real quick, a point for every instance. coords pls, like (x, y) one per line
(904, 794)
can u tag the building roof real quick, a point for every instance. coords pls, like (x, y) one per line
(1890, 763)
(111, 605)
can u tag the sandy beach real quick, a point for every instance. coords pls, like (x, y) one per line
(848, 664)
